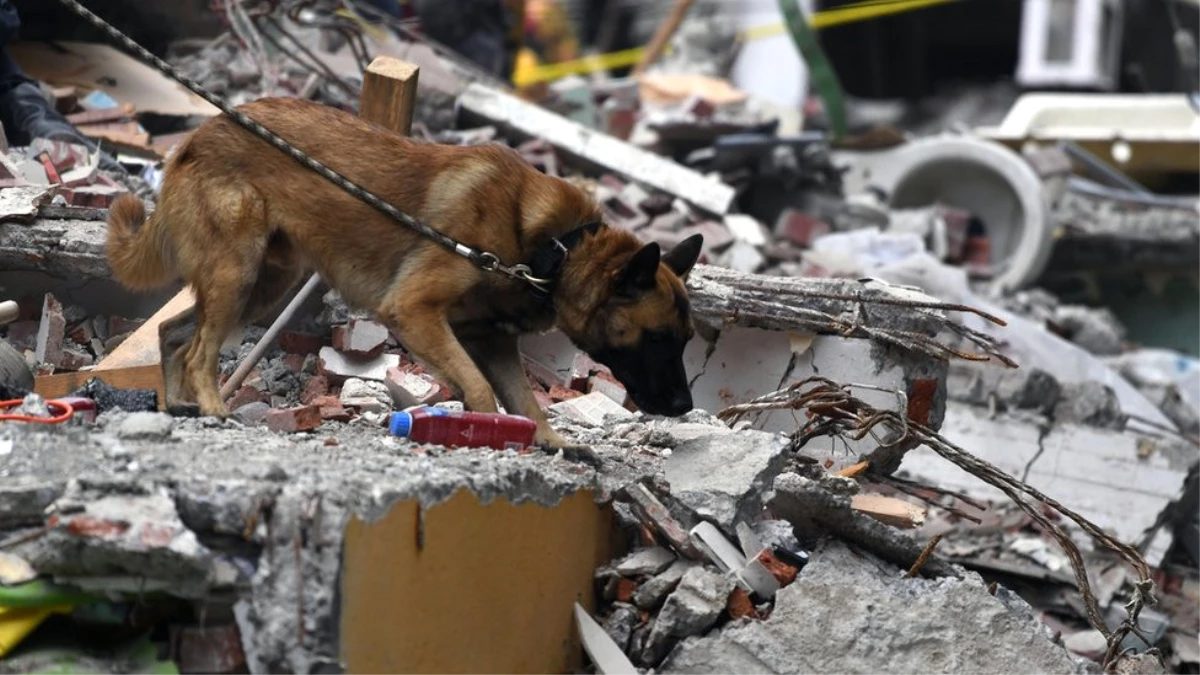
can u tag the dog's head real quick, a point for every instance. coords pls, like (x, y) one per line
(640, 330)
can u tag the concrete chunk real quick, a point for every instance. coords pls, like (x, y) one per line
(723, 476)
(645, 561)
(928, 626)
(613, 154)
(691, 610)
(653, 592)
(146, 425)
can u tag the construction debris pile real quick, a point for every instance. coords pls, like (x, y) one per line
(1017, 484)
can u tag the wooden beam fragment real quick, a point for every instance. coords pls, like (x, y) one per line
(389, 93)
(889, 510)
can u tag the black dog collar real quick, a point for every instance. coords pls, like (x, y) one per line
(548, 260)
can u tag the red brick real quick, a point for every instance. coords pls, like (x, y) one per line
(74, 359)
(409, 386)
(302, 418)
(300, 343)
(558, 394)
(81, 333)
(740, 606)
(247, 394)
(625, 589)
(783, 572)
(294, 362)
(332, 409)
(800, 228)
(315, 387)
(91, 526)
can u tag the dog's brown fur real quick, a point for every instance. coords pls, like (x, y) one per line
(242, 223)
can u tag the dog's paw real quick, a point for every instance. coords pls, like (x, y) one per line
(183, 409)
(580, 454)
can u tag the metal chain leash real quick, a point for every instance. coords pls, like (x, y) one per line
(484, 260)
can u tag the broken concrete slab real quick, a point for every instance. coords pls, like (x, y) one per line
(873, 619)
(479, 104)
(646, 561)
(1121, 481)
(72, 249)
(722, 477)
(691, 609)
(652, 592)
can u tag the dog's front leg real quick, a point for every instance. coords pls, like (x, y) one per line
(499, 357)
(418, 318)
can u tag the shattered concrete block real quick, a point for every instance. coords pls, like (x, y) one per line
(645, 562)
(691, 609)
(608, 386)
(251, 413)
(651, 593)
(360, 338)
(146, 425)
(51, 332)
(620, 624)
(338, 367)
(746, 229)
(723, 476)
(590, 409)
(407, 388)
(929, 626)
(1090, 403)
(1096, 330)
(301, 418)
(743, 257)
(1029, 389)
(366, 396)
(25, 505)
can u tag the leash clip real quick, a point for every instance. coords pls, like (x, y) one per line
(491, 263)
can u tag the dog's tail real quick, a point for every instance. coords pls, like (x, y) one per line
(136, 246)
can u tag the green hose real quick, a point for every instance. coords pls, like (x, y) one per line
(820, 71)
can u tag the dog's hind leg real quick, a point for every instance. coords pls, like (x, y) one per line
(499, 357)
(175, 338)
(223, 287)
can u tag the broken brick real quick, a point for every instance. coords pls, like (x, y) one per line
(314, 388)
(301, 418)
(91, 196)
(332, 409)
(338, 366)
(409, 387)
(51, 332)
(559, 393)
(90, 526)
(582, 367)
(300, 343)
(625, 589)
(362, 338)
(783, 572)
(294, 362)
(81, 333)
(154, 535)
(740, 606)
(246, 394)
(800, 228)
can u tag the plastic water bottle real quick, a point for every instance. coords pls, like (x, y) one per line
(438, 426)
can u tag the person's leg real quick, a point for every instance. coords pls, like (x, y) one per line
(24, 110)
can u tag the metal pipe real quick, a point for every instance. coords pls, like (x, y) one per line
(260, 348)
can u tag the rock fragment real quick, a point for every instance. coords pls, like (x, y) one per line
(691, 609)
(723, 476)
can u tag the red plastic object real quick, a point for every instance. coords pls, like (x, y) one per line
(438, 426)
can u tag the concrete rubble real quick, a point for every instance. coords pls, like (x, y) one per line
(791, 537)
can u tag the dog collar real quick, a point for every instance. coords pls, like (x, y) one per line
(548, 260)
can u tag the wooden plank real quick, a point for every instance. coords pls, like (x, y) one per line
(894, 512)
(389, 93)
(133, 377)
(141, 347)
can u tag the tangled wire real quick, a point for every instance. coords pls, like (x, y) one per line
(833, 411)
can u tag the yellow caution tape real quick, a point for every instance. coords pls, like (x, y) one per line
(527, 74)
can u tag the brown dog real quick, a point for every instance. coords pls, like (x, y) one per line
(242, 223)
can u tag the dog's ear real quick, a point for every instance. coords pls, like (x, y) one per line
(638, 274)
(683, 257)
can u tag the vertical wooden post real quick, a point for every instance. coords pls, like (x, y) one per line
(389, 93)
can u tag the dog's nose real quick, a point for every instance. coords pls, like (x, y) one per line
(681, 403)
